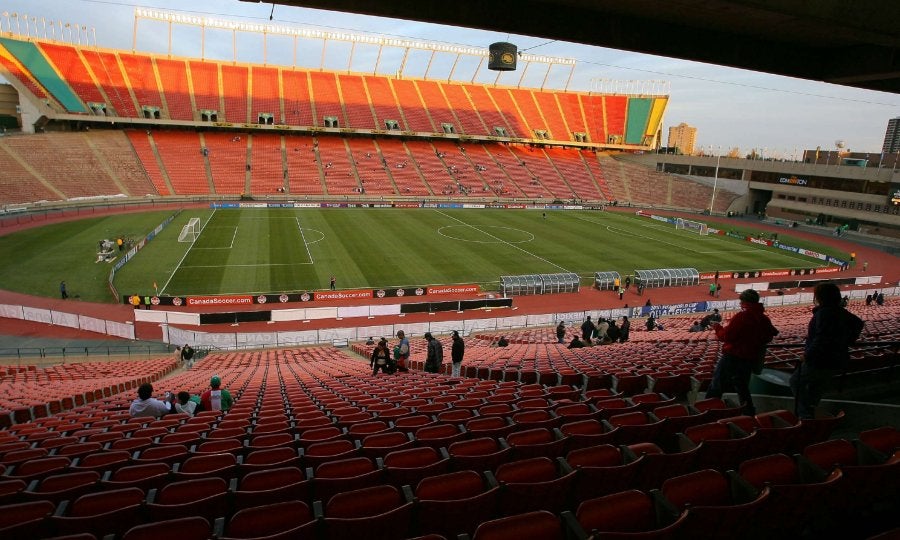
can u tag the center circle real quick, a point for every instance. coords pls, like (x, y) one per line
(488, 234)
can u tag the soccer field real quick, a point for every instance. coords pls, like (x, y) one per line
(289, 250)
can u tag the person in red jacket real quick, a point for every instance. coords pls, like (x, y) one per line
(744, 340)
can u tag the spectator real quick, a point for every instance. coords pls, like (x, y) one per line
(370, 341)
(401, 352)
(576, 343)
(146, 405)
(712, 318)
(457, 350)
(880, 299)
(186, 403)
(502, 342)
(613, 332)
(600, 330)
(697, 327)
(187, 355)
(624, 330)
(830, 333)
(561, 332)
(651, 323)
(744, 344)
(216, 398)
(435, 356)
(587, 329)
(380, 358)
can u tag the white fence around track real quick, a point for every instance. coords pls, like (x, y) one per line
(339, 336)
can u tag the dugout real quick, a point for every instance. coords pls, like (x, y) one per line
(521, 285)
(560, 283)
(606, 281)
(667, 277)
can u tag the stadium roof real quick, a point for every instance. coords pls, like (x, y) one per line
(848, 43)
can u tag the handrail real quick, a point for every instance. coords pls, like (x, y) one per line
(101, 350)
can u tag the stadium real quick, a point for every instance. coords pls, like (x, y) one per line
(277, 212)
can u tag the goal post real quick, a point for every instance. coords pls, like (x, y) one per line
(191, 231)
(693, 226)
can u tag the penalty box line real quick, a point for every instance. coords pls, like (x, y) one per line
(183, 257)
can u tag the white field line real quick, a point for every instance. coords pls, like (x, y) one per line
(305, 243)
(503, 241)
(183, 257)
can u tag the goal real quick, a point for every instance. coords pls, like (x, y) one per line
(191, 231)
(693, 226)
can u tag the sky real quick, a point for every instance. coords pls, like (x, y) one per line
(779, 116)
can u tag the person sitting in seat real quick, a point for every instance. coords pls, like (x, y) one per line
(186, 403)
(711, 319)
(147, 405)
(216, 398)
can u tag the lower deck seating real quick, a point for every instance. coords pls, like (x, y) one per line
(342, 440)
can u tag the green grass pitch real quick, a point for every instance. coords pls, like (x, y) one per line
(287, 250)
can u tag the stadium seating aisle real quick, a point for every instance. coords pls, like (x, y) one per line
(174, 78)
(407, 178)
(180, 154)
(227, 156)
(268, 173)
(357, 103)
(204, 77)
(337, 168)
(470, 122)
(373, 175)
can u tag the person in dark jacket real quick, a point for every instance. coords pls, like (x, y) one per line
(587, 330)
(624, 330)
(435, 356)
(576, 343)
(613, 332)
(561, 332)
(457, 350)
(744, 340)
(829, 335)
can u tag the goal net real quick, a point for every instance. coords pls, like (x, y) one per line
(693, 226)
(191, 231)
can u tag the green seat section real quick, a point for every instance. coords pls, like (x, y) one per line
(638, 115)
(34, 61)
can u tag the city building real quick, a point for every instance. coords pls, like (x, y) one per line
(892, 136)
(683, 137)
